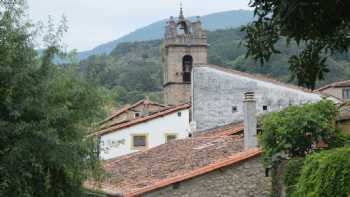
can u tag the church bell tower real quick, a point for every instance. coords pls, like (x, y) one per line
(185, 45)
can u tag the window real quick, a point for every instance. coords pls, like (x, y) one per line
(265, 108)
(187, 63)
(234, 109)
(179, 114)
(170, 137)
(137, 114)
(346, 93)
(139, 141)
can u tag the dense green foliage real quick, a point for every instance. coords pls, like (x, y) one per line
(142, 62)
(131, 71)
(291, 174)
(325, 174)
(322, 27)
(294, 131)
(45, 114)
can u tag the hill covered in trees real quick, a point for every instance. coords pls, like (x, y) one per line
(134, 69)
(211, 22)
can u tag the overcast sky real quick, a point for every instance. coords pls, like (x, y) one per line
(93, 22)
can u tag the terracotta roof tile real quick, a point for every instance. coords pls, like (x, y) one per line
(172, 162)
(128, 107)
(344, 113)
(229, 129)
(132, 122)
(345, 83)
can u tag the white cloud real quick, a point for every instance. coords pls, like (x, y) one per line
(92, 22)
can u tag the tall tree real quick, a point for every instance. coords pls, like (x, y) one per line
(45, 114)
(319, 27)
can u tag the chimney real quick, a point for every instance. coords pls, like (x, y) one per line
(250, 122)
(145, 110)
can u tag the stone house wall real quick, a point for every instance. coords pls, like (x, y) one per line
(344, 126)
(245, 179)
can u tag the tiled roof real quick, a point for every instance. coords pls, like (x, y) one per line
(344, 113)
(345, 83)
(178, 160)
(128, 107)
(255, 76)
(230, 129)
(135, 121)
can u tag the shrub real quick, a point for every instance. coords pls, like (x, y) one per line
(294, 131)
(325, 174)
(291, 174)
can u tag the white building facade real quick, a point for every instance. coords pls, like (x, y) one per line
(217, 95)
(144, 133)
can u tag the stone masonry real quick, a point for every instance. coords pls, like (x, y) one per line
(182, 38)
(245, 179)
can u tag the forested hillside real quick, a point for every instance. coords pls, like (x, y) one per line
(135, 69)
(211, 22)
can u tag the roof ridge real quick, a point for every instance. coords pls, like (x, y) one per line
(255, 76)
(233, 159)
(331, 85)
(127, 107)
(142, 119)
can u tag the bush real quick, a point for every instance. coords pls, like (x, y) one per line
(325, 174)
(294, 131)
(291, 174)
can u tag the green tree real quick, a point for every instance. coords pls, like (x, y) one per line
(45, 114)
(319, 27)
(294, 131)
(292, 134)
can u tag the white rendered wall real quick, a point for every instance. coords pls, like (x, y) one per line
(216, 92)
(118, 143)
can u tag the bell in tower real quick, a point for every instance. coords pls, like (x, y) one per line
(185, 45)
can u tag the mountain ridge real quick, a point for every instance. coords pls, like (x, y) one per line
(211, 22)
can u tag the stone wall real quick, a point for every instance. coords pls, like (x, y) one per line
(175, 94)
(173, 73)
(245, 179)
(344, 126)
(217, 97)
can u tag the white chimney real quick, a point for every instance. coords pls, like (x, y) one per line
(250, 122)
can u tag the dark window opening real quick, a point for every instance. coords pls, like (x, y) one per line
(265, 108)
(179, 114)
(176, 185)
(267, 172)
(182, 28)
(139, 141)
(346, 93)
(187, 64)
(234, 109)
(137, 114)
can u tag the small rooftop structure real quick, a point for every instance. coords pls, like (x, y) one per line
(141, 108)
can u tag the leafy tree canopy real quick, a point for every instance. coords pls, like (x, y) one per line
(295, 131)
(319, 27)
(45, 114)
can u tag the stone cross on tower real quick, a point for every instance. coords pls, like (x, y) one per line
(185, 45)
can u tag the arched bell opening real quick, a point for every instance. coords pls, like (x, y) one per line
(187, 64)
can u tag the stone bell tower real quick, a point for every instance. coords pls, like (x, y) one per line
(185, 45)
